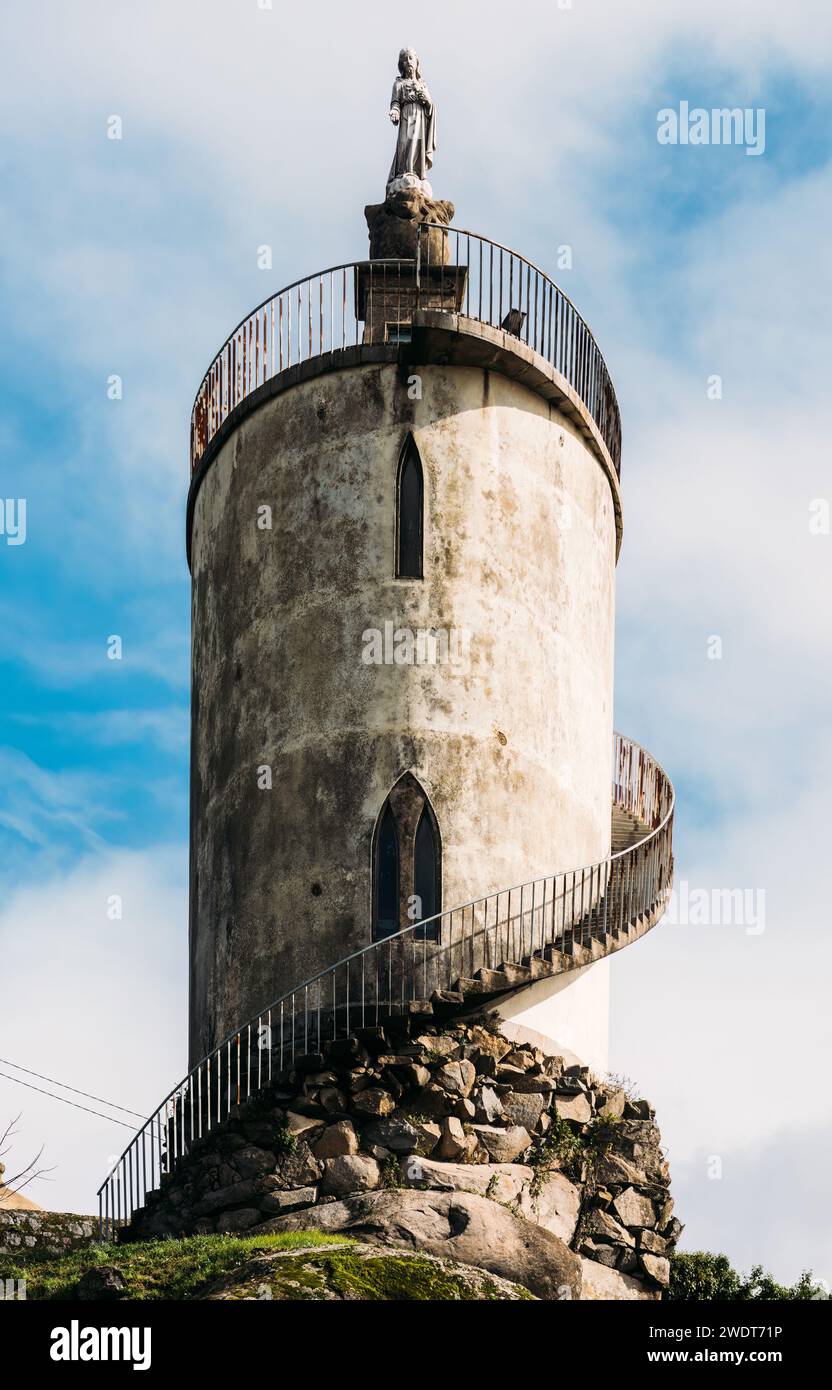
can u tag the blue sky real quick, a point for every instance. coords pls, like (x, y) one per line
(137, 257)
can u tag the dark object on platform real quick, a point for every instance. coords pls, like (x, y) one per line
(513, 322)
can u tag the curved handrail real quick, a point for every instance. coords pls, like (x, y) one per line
(359, 302)
(290, 327)
(554, 915)
(522, 300)
(287, 289)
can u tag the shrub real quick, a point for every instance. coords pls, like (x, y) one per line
(700, 1277)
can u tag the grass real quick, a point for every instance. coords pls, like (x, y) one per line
(157, 1269)
(313, 1266)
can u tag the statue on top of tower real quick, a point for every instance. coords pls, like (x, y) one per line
(396, 225)
(413, 112)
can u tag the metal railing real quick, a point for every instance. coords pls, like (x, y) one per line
(374, 301)
(503, 289)
(546, 918)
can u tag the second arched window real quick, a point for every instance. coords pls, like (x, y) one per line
(407, 869)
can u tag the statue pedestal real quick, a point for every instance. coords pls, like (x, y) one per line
(387, 296)
(394, 227)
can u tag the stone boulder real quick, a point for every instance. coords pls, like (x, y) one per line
(458, 1225)
(372, 1101)
(397, 1134)
(349, 1173)
(241, 1219)
(336, 1140)
(300, 1168)
(102, 1283)
(457, 1078)
(503, 1145)
(552, 1202)
(488, 1106)
(633, 1209)
(523, 1109)
(358, 1272)
(274, 1203)
(575, 1108)
(657, 1267)
(604, 1284)
(454, 1141)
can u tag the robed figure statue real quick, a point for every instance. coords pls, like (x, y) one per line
(412, 110)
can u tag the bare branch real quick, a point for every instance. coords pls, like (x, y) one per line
(30, 1173)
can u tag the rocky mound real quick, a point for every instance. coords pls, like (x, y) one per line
(537, 1172)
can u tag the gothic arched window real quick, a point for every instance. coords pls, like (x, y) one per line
(426, 866)
(407, 872)
(387, 876)
(410, 506)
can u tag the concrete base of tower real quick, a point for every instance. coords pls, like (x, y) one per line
(568, 1015)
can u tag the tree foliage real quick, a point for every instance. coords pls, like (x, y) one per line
(703, 1278)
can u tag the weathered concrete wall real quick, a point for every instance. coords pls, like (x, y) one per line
(512, 746)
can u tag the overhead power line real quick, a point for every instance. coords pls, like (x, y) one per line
(65, 1100)
(64, 1086)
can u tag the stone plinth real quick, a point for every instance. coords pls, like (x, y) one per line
(388, 296)
(394, 227)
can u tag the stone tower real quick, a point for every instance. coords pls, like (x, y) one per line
(403, 528)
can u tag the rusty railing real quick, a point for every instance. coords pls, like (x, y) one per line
(371, 302)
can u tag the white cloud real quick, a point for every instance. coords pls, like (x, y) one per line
(96, 1003)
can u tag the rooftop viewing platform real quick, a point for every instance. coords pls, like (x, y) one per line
(461, 298)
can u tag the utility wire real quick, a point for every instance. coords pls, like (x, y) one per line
(64, 1087)
(73, 1103)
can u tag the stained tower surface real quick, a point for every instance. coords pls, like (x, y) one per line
(403, 529)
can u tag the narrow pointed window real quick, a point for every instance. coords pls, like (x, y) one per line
(426, 874)
(410, 513)
(407, 876)
(387, 876)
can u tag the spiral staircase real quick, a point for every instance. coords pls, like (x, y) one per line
(459, 962)
(498, 309)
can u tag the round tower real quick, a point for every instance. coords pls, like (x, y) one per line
(403, 527)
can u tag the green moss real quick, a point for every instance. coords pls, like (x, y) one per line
(383, 1278)
(152, 1269)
